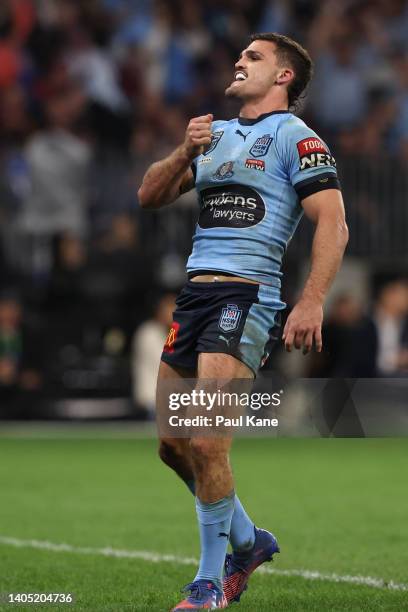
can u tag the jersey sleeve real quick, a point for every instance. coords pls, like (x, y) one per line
(306, 160)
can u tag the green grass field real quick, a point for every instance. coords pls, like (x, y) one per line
(337, 506)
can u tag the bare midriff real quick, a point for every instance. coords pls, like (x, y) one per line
(220, 278)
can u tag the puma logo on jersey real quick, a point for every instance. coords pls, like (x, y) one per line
(244, 136)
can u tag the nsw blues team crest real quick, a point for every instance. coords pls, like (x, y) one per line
(230, 317)
(215, 139)
(261, 146)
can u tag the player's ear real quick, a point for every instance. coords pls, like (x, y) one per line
(284, 76)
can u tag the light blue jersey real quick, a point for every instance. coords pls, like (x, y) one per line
(250, 181)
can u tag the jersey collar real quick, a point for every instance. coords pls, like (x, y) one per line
(244, 121)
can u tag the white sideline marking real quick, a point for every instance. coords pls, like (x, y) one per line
(369, 581)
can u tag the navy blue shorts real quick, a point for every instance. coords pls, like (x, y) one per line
(239, 319)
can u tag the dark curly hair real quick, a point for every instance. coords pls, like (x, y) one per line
(288, 51)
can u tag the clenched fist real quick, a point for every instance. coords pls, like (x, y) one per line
(198, 135)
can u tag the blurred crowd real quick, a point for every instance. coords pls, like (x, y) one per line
(93, 91)
(366, 343)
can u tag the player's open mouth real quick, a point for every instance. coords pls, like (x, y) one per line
(240, 75)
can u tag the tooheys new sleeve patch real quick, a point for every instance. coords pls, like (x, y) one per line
(313, 153)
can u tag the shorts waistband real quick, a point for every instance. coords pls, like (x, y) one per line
(273, 282)
(213, 284)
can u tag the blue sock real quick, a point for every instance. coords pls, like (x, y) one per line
(215, 522)
(242, 534)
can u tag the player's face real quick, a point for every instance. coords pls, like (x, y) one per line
(255, 72)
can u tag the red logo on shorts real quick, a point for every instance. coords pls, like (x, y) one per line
(311, 145)
(171, 338)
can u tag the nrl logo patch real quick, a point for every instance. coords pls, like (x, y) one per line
(230, 317)
(215, 139)
(261, 146)
(225, 171)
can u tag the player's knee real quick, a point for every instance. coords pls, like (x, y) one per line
(170, 452)
(203, 449)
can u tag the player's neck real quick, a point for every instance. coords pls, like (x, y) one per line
(255, 108)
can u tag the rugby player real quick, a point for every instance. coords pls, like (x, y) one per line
(255, 176)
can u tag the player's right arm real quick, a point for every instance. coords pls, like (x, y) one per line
(167, 179)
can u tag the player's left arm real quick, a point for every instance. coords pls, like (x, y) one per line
(304, 324)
